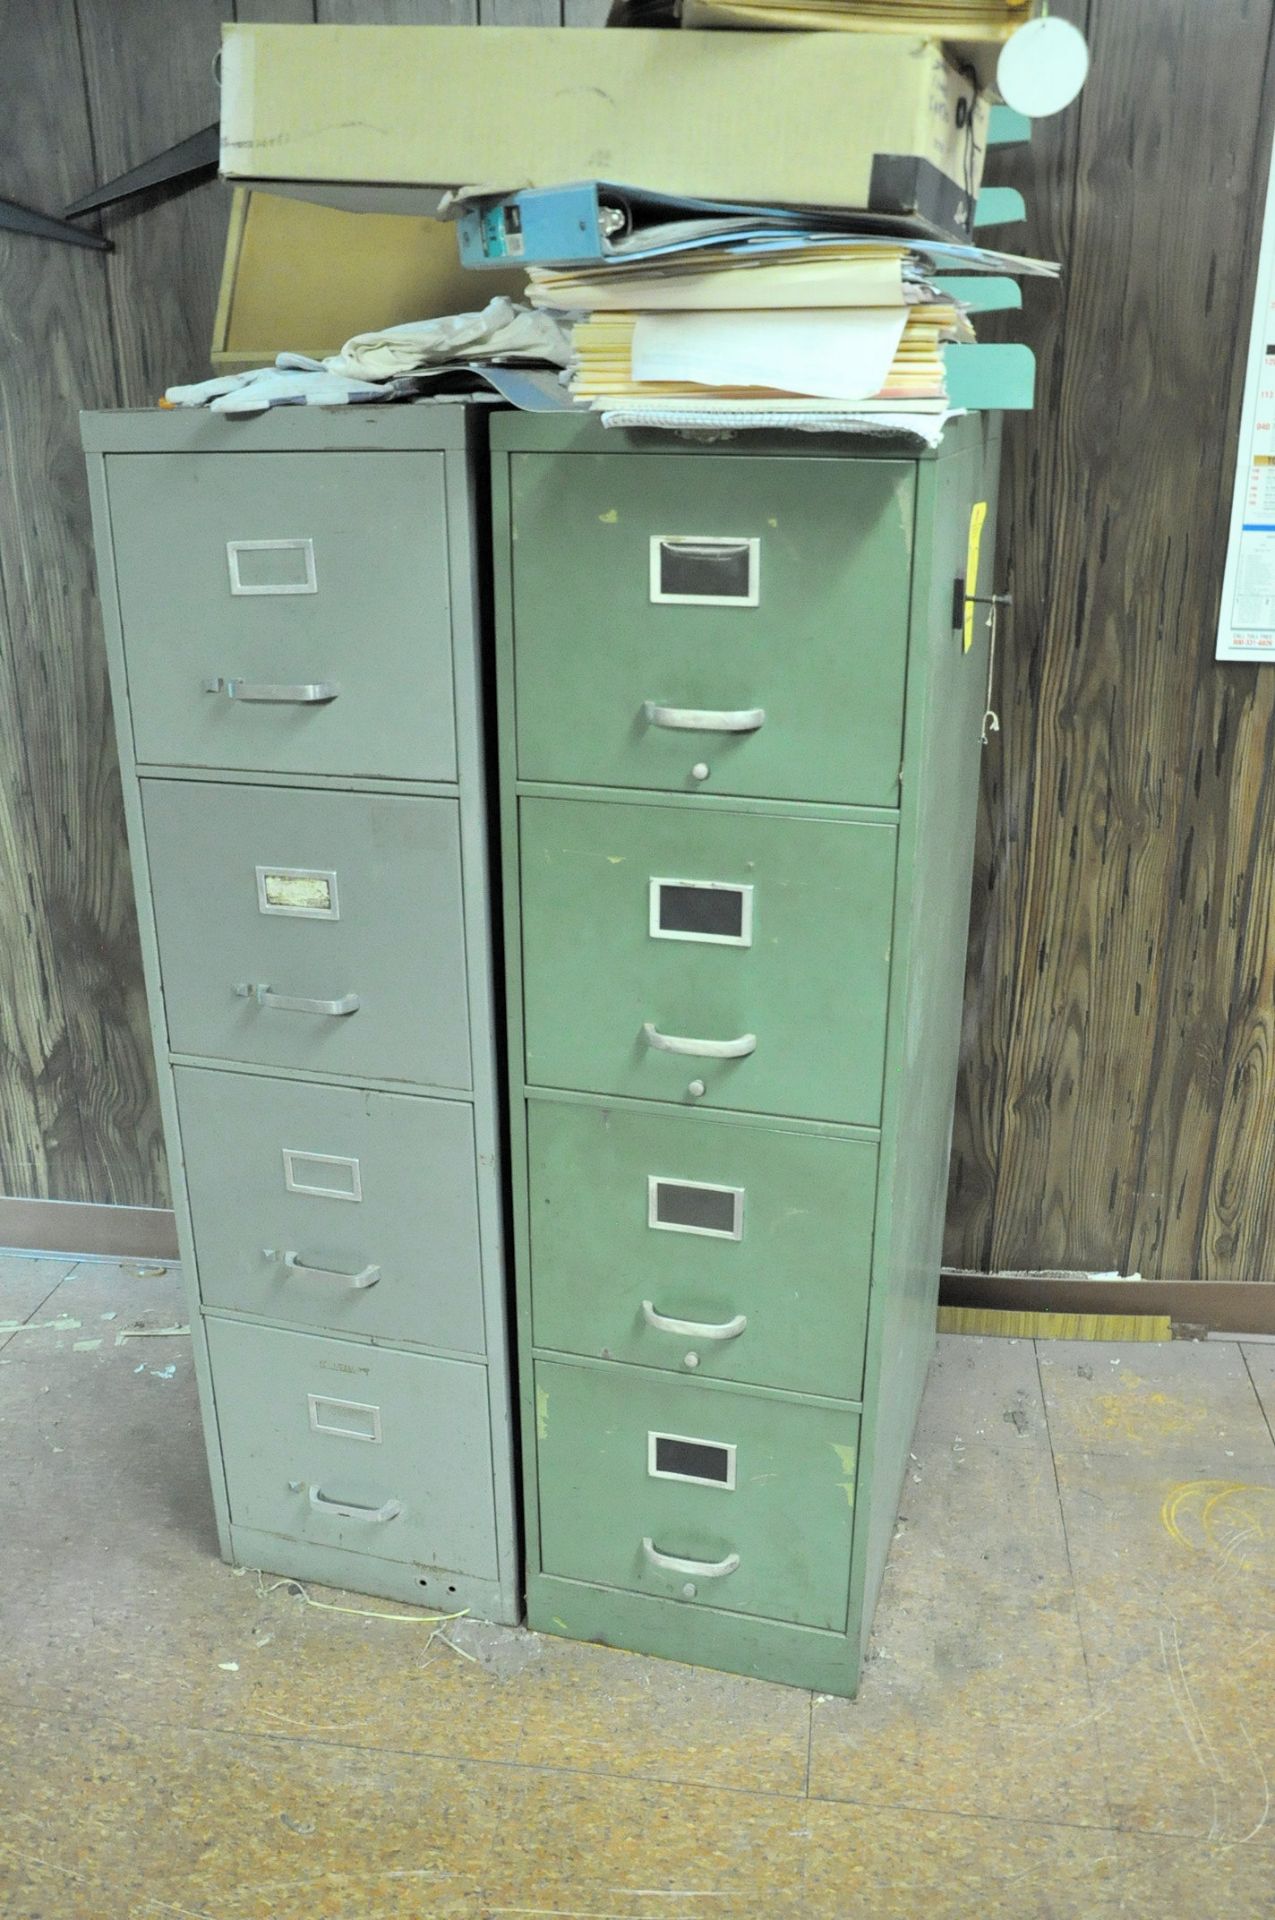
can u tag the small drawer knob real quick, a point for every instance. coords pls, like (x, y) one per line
(691, 1360)
(697, 1089)
(688, 1591)
(700, 770)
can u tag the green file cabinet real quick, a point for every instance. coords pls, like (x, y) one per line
(291, 618)
(740, 735)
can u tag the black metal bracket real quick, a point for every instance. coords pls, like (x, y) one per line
(190, 161)
(961, 600)
(186, 163)
(15, 218)
(958, 600)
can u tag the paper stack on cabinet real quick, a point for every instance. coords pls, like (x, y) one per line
(852, 320)
(870, 354)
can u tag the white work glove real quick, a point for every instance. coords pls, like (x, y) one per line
(293, 381)
(501, 331)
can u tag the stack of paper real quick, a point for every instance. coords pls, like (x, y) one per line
(870, 276)
(854, 320)
(875, 355)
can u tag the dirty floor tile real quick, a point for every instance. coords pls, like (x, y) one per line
(1188, 1402)
(987, 1512)
(109, 1557)
(632, 1853)
(919, 1866)
(655, 1719)
(588, 1847)
(514, 1697)
(136, 1823)
(117, 1599)
(1188, 1743)
(1148, 1545)
(975, 1696)
(982, 1390)
(137, 1293)
(1163, 1878)
(1175, 1585)
(1260, 1361)
(1068, 1714)
(25, 1285)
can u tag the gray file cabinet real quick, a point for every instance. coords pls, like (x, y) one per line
(295, 663)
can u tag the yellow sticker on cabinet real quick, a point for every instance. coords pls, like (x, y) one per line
(978, 514)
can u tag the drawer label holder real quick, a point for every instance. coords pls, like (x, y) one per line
(704, 570)
(304, 893)
(681, 1456)
(271, 566)
(718, 913)
(347, 1419)
(694, 1206)
(325, 1176)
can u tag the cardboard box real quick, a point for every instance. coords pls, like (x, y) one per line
(301, 278)
(976, 45)
(811, 119)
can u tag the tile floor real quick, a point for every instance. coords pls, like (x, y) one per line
(1069, 1712)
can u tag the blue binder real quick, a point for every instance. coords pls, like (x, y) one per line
(592, 220)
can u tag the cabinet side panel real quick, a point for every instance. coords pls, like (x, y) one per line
(946, 694)
(502, 607)
(104, 546)
(474, 698)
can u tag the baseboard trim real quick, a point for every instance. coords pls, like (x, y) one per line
(1194, 1306)
(74, 1227)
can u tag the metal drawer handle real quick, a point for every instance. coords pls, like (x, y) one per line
(293, 1263)
(314, 693)
(696, 1329)
(670, 1562)
(702, 1049)
(298, 1003)
(704, 719)
(341, 1509)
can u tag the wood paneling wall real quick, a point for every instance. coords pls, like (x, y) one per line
(1117, 1104)
(95, 88)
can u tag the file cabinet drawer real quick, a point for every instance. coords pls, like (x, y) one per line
(670, 1488)
(744, 616)
(346, 1211)
(677, 1241)
(312, 587)
(738, 960)
(359, 1447)
(313, 930)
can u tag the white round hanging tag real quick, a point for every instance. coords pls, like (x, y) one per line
(1042, 67)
